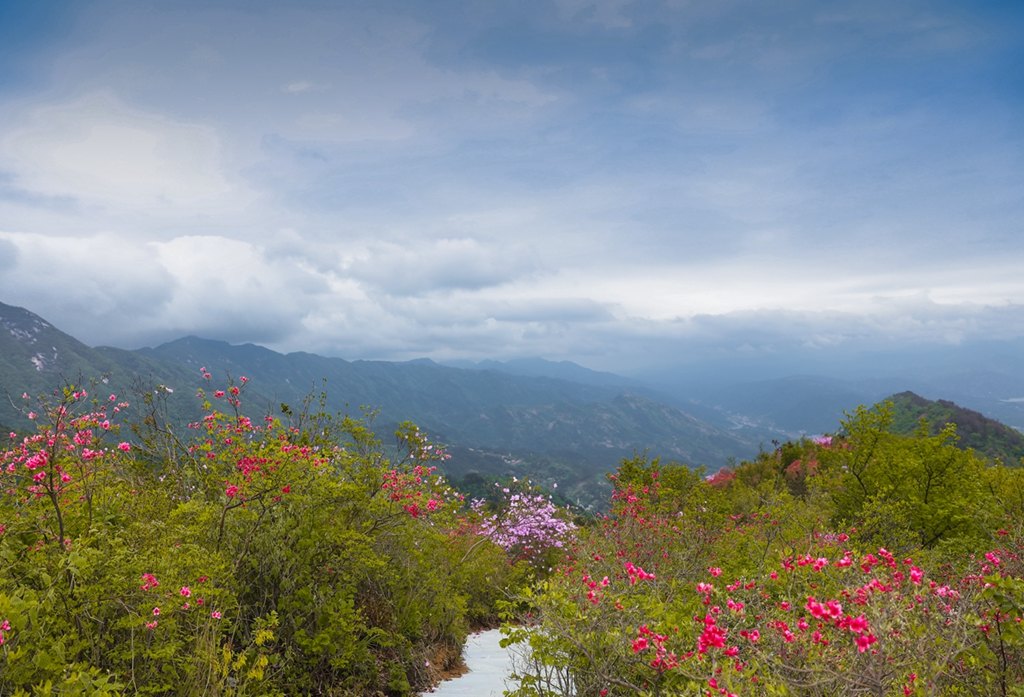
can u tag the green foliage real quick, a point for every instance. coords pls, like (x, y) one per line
(921, 487)
(865, 563)
(987, 437)
(294, 556)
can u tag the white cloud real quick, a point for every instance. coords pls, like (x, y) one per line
(417, 266)
(299, 86)
(601, 177)
(87, 285)
(99, 151)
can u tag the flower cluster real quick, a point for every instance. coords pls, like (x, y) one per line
(526, 523)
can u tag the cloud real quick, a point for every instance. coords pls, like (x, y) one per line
(8, 255)
(608, 181)
(86, 286)
(414, 267)
(299, 86)
(97, 150)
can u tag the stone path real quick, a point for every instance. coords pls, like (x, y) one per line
(489, 666)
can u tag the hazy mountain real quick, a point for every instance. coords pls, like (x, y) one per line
(806, 391)
(526, 418)
(472, 408)
(555, 421)
(561, 370)
(776, 409)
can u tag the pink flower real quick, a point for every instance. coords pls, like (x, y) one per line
(864, 641)
(858, 624)
(185, 591)
(156, 611)
(215, 614)
(231, 491)
(151, 625)
(124, 447)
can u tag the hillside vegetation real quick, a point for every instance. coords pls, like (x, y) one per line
(973, 430)
(296, 554)
(866, 563)
(280, 555)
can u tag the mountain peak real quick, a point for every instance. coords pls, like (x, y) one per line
(21, 324)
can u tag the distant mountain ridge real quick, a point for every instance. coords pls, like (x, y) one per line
(503, 419)
(560, 370)
(552, 421)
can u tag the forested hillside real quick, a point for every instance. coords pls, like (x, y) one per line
(973, 430)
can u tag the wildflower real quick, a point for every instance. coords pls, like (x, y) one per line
(864, 641)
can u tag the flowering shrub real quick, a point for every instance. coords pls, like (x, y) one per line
(256, 555)
(523, 523)
(742, 586)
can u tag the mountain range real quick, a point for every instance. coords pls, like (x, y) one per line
(523, 418)
(556, 422)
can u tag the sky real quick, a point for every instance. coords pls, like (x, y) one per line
(611, 182)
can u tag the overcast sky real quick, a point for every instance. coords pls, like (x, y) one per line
(603, 181)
